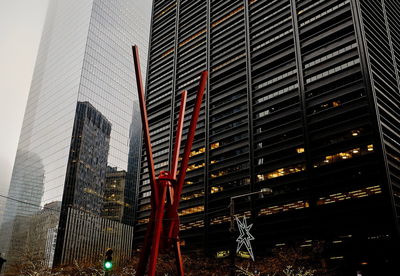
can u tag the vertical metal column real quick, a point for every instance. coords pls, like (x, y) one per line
(249, 100)
(207, 129)
(302, 96)
(373, 105)
(175, 61)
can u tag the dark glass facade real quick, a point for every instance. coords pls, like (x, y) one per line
(86, 171)
(114, 194)
(302, 98)
(80, 119)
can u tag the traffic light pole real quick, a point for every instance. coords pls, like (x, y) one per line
(167, 188)
(108, 265)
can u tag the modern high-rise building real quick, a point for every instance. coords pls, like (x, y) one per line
(303, 98)
(83, 74)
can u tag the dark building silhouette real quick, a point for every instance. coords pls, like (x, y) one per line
(303, 98)
(135, 131)
(86, 172)
(114, 194)
(87, 164)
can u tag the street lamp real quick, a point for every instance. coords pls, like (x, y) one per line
(263, 191)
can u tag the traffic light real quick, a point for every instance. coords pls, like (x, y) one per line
(108, 260)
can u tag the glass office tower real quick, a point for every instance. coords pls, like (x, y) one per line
(79, 120)
(302, 97)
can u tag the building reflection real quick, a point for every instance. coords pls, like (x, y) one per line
(87, 164)
(25, 194)
(94, 194)
(33, 237)
(135, 132)
(114, 194)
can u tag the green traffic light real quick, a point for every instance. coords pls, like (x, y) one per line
(108, 265)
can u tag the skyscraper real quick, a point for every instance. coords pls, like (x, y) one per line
(303, 97)
(83, 74)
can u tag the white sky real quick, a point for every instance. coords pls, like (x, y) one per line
(21, 24)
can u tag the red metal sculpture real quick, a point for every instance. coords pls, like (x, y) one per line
(163, 226)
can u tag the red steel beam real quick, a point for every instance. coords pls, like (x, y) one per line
(166, 180)
(158, 223)
(178, 135)
(145, 124)
(174, 225)
(190, 138)
(178, 258)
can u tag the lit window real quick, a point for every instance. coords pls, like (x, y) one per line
(283, 208)
(277, 93)
(195, 167)
(197, 152)
(364, 192)
(216, 189)
(190, 225)
(281, 172)
(192, 210)
(276, 79)
(215, 145)
(219, 220)
(192, 195)
(355, 133)
(143, 221)
(323, 13)
(229, 170)
(344, 155)
(146, 194)
(333, 70)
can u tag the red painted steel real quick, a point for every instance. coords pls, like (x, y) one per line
(166, 189)
(145, 124)
(173, 228)
(178, 135)
(178, 256)
(163, 182)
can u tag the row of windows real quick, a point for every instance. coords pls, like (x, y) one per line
(275, 89)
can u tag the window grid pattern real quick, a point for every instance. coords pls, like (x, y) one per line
(305, 80)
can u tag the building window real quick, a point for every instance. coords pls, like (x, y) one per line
(191, 210)
(281, 172)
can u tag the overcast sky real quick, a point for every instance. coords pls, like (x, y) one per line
(21, 24)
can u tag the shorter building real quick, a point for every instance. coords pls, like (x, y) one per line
(114, 194)
(30, 239)
(88, 236)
